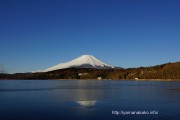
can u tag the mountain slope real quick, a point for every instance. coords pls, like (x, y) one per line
(85, 61)
(168, 71)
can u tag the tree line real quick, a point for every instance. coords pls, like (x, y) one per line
(164, 71)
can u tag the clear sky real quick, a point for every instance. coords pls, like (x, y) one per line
(37, 34)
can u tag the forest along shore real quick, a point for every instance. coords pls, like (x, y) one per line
(165, 72)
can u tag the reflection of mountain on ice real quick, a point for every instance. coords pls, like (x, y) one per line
(86, 103)
(85, 61)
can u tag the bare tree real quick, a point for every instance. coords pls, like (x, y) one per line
(2, 69)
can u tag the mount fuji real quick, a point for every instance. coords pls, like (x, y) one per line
(84, 61)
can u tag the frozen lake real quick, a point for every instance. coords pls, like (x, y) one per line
(89, 100)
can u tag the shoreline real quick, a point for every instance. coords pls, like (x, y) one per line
(154, 80)
(163, 80)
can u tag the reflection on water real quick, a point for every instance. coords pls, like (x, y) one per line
(86, 94)
(87, 91)
(86, 103)
(82, 99)
(82, 103)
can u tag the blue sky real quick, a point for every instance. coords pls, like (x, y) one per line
(37, 34)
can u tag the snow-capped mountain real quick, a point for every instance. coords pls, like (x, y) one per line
(85, 61)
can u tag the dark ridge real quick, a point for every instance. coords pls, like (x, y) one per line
(168, 71)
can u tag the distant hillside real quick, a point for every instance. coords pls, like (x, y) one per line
(164, 71)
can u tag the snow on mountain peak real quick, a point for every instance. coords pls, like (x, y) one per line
(84, 61)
